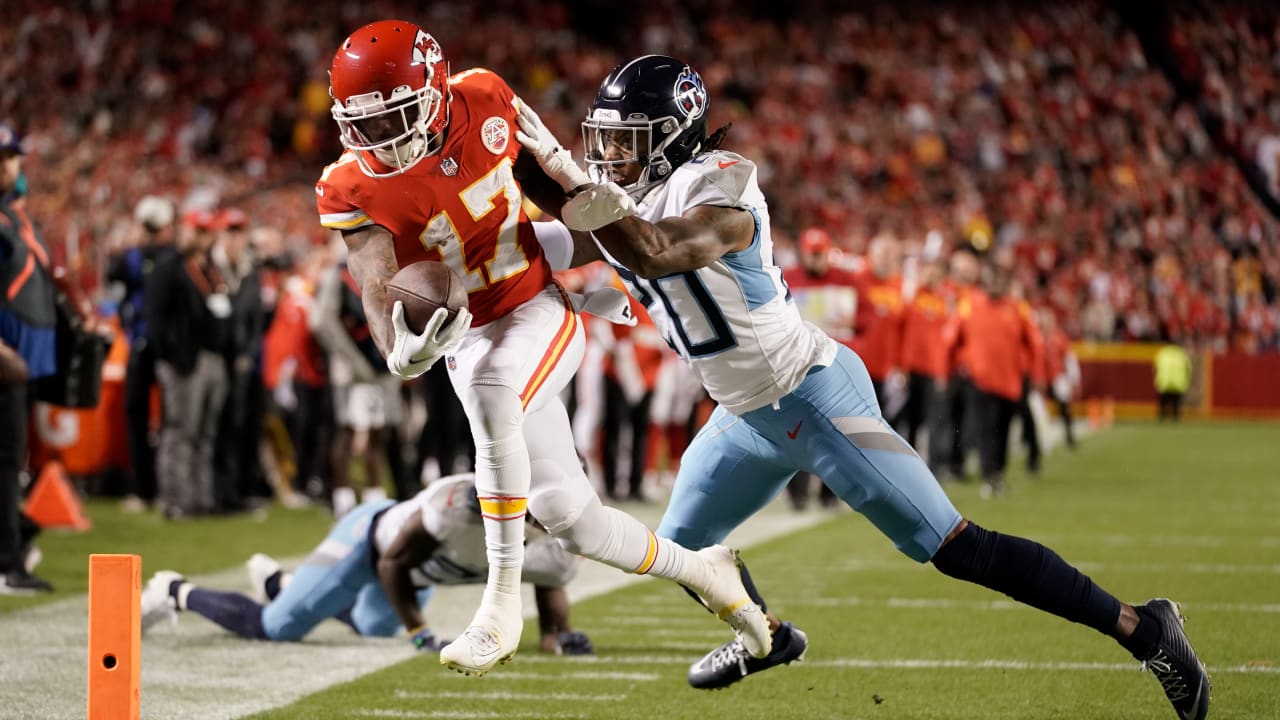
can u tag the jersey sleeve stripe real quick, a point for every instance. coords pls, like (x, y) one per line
(346, 220)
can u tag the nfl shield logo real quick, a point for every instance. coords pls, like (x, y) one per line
(494, 134)
(449, 167)
(452, 362)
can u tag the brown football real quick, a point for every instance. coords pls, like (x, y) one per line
(423, 287)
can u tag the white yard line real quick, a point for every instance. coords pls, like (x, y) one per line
(197, 670)
(506, 695)
(562, 674)
(916, 603)
(458, 715)
(914, 664)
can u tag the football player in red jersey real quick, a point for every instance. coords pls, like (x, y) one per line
(428, 174)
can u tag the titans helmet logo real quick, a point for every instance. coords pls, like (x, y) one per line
(690, 94)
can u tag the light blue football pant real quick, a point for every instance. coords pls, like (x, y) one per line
(337, 575)
(830, 426)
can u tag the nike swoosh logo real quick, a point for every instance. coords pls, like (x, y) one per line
(320, 191)
(722, 165)
(793, 433)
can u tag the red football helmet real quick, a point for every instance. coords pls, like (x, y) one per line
(390, 87)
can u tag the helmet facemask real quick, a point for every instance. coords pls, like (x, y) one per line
(395, 130)
(613, 144)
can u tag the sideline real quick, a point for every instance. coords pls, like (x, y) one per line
(193, 669)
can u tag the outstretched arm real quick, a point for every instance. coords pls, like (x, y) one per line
(410, 549)
(371, 257)
(677, 244)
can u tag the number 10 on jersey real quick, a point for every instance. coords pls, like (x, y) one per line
(480, 199)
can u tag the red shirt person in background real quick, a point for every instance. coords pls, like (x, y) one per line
(923, 354)
(877, 326)
(824, 294)
(1061, 369)
(997, 344)
(826, 297)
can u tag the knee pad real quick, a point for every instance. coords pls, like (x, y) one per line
(557, 506)
(582, 525)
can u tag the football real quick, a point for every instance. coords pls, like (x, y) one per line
(424, 287)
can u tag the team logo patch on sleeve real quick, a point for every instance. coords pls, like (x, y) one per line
(494, 133)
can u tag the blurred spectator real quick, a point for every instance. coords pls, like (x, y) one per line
(237, 469)
(955, 433)
(189, 327)
(129, 272)
(630, 374)
(877, 328)
(1173, 379)
(27, 353)
(295, 375)
(996, 341)
(924, 356)
(1062, 371)
(826, 297)
(366, 396)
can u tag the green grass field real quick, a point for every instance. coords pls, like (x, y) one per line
(1190, 512)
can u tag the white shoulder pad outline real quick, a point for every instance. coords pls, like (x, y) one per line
(716, 178)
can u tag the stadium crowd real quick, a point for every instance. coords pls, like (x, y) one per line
(899, 139)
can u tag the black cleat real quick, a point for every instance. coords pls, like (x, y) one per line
(1174, 663)
(575, 642)
(19, 581)
(731, 662)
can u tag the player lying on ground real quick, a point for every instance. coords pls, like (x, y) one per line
(375, 571)
(687, 227)
(428, 175)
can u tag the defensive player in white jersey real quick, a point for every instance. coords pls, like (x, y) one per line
(375, 571)
(686, 225)
(430, 173)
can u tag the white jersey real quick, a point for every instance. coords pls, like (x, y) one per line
(733, 320)
(460, 559)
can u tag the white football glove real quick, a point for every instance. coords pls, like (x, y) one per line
(606, 303)
(555, 160)
(597, 206)
(412, 355)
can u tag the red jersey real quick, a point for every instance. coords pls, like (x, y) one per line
(461, 206)
(923, 324)
(994, 342)
(877, 327)
(827, 300)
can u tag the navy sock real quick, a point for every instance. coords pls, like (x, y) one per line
(233, 611)
(1029, 573)
(750, 585)
(1146, 636)
(345, 616)
(272, 585)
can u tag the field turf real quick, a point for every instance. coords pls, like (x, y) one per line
(1191, 512)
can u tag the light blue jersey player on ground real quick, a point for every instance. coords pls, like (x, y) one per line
(375, 571)
(687, 227)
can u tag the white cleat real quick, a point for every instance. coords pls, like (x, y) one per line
(728, 599)
(261, 567)
(157, 603)
(492, 637)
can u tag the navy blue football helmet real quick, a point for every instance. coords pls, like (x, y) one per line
(650, 110)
